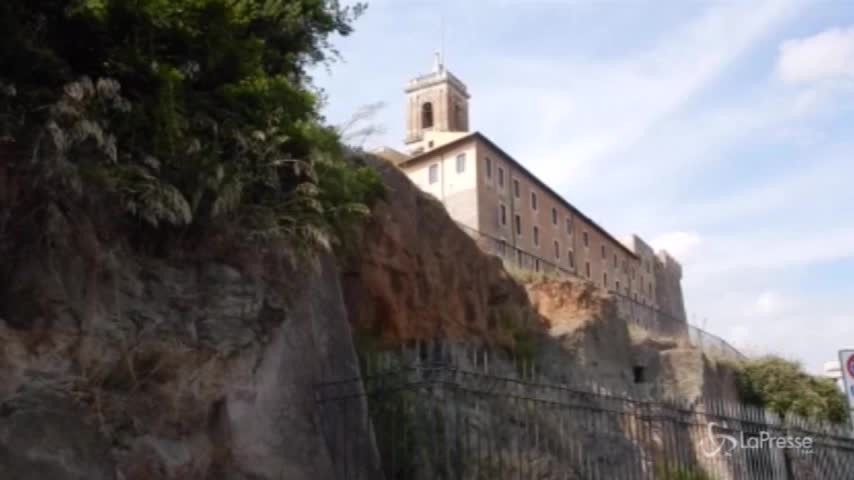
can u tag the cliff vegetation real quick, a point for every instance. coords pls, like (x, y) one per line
(183, 119)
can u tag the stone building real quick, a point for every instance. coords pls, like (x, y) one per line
(494, 196)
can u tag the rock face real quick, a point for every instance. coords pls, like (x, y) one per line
(44, 434)
(121, 366)
(584, 321)
(417, 275)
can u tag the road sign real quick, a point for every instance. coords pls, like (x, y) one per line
(846, 362)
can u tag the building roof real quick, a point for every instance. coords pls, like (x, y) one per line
(483, 138)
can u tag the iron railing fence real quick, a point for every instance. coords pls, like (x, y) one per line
(637, 312)
(431, 419)
(712, 344)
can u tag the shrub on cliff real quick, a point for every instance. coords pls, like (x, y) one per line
(783, 387)
(184, 114)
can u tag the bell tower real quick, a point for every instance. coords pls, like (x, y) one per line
(436, 102)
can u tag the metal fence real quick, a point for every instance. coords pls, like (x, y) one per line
(712, 344)
(432, 418)
(638, 313)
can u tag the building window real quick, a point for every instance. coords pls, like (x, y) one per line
(500, 177)
(427, 115)
(488, 167)
(604, 255)
(557, 250)
(586, 239)
(568, 226)
(536, 236)
(434, 173)
(458, 117)
(605, 279)
(518, 225)
(534, 200)
(516, 188)
(587, 268)
(618, 286)
(571, 258)
(461, 163)
(503, 214)
(554, 216)
(615, 261)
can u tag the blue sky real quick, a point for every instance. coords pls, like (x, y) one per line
(720, 131)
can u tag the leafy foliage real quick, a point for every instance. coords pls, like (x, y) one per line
(202, 113)
(782, 386)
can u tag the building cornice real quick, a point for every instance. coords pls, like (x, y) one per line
(436, 78)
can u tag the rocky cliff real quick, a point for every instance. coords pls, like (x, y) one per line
(115, 363)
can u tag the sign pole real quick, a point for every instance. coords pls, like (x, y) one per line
(846, 364)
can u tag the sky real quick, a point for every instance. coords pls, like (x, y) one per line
(722, 132)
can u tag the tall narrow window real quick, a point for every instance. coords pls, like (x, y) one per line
(568, 225)
(536, 236)
(605, 279)
(500, 177)
(518, 225)
(458, 117)
(534, 200)
(586, 239)
(604, 255)
(557, 249)
(615, 261)
(503, 214)
(427, 115)
(618, 286)
(516, 188)
(434, 173)
(488, 167)
(587, 268)
(571, 258)
(461, 163)
(554, 216)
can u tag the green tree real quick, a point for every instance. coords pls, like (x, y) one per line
(784, 387)
(184, 113)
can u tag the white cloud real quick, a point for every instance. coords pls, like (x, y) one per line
(732, 255)
(768, 303)
(614, 104)
(681, 245)
(828, 55)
